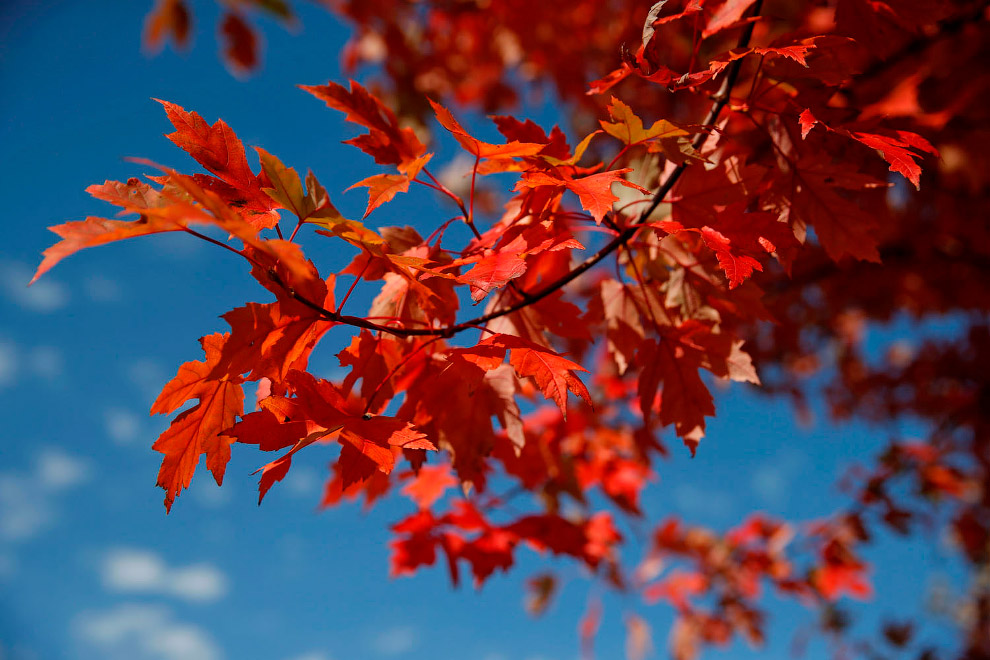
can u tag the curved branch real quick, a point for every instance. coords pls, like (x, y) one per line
(720, 100)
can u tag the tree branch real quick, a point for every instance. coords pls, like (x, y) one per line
(720, 100)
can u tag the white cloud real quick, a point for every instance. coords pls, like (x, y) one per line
(142, 571)
(311, 655)
(303, 481)
(148, 375)
(772, 480)
(139, 631)
(101, 289)
(395, 641)
(209, 495)
(58, 470)
(27, 503)
(24, 511)
(41, 361)
(133, 570)
(121, 425)
(199, 582)
(45, 296)
(695, 500)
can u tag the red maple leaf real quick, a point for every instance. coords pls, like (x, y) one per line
(429, 485)
(197, 430)
(594, 191)
(219, 150)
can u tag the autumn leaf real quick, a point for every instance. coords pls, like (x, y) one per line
(807, 122)
(662, 136)
(816, 193)
(677, 588)
(834, 580)
(727, 15)
(91, 232)
(555, 144)
(268, 427)
(241, 48)
(539, 592)
(554, 374)
(429, 485)
(896, 148)
(276, 470)
(624, 330)
(387, 142)
(639, 642)
(373, 436)
(270, 340)
(685, 401)
(218, 149)
(287, 190)
(478, 148)
(594, 191)
(493, 271)
(169, 18)
(197, 430)
(737, 267)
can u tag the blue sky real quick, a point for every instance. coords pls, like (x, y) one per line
(90, 567)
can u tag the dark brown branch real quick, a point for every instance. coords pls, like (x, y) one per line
(720, 100)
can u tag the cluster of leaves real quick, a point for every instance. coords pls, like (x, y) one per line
(739, 226)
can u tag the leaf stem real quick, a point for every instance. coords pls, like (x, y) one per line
(353, 284)
(294, 231)
(392, 372)
(719, 102)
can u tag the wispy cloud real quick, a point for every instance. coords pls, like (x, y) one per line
(694, 500)
(394, 641)
(138, 631)
(100, 289)
(143, 571)
(303, 481)
(58, 470)
(148, 375)
(312, 655)
(24, 511)
(45, 296)
(772, 480)
(44, 362)
(28, 498)
(122, 426)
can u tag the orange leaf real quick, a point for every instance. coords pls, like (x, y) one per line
(383, 188)
(477, 147)
(493, 271)
(387, 142)
(429, 485)
(197, 430)
(97, 231)
(241, 47)
(277, 469)
(218, 149)
(552, 373)
(594, 191)
(737, 267)
(168, 18)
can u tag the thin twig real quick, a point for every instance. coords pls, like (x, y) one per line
(720, 100)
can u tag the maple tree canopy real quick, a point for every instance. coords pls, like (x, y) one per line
(739, 189)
